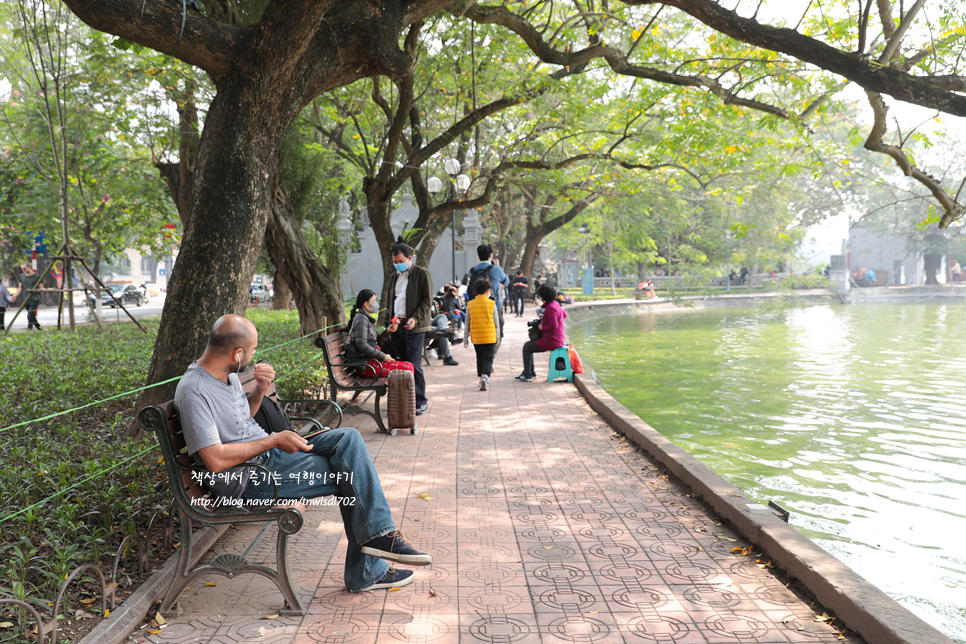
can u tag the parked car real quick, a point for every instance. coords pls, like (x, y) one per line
(124, 293)
(260, 293)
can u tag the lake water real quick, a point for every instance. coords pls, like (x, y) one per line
(851, 417)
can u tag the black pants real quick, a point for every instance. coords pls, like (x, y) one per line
(32, 313)
(517, 299)
(484, 359)
(409, 347)
(3, 311)
(529, 348)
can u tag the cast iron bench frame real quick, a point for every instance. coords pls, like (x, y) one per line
(163, 421)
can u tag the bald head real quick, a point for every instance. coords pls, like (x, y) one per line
(230, 333)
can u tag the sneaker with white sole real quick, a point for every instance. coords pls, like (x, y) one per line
(394, 547)
(484, 381)
(392, 579)
(524, 378)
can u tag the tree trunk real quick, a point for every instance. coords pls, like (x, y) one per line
(232, 197)
(378, 211)
(317, 294)
(283, 294)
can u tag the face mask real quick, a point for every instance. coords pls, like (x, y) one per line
(373, 308)
(401, 267)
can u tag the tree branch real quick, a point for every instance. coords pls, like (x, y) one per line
(205, 43)
(868, 75)
(951, 209)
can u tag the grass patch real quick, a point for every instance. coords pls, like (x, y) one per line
(50, 372)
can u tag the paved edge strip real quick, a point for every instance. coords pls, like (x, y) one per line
(125, 619)
(864, 608)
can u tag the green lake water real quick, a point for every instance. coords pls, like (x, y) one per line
(852, 417)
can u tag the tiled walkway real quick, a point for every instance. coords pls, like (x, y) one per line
(545, 527)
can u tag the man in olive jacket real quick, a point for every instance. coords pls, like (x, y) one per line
(411, 299)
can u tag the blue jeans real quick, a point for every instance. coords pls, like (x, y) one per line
(455, 317)
(338, 464)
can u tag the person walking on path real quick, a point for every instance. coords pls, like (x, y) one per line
(5, 301)
(552, 332)
(411, 300)
(220, 432)
(490, 269)
(518, 291)
(483, 328)
(30, 279)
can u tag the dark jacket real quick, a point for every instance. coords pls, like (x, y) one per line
(451, 304)
(363, 339)
(419, 298)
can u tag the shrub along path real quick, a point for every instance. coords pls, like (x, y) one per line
(545, 526)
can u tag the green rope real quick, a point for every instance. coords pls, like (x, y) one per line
(67, 489)
(157, 384)
(97, 402)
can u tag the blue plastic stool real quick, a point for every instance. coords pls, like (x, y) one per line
(566, 372)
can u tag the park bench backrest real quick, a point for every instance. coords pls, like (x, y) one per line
(340, 369)
(174, 450)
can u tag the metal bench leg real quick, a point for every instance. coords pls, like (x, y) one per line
(378, 417)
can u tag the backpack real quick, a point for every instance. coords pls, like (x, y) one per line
(271, 417)
(474, 273)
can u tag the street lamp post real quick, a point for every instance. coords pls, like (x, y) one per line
(459, 184)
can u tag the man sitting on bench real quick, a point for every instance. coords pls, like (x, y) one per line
(216, 417)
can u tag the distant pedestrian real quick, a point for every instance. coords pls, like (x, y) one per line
(483, 328)
(518, 291)
(29, 280)
(5, 301)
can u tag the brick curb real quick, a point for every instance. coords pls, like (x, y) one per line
(865, 609)
(125, 619)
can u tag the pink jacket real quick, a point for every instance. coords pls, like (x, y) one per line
(553, 327)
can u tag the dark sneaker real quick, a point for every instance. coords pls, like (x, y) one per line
(421, 409)
(394, 547)
(524, 378)
(392, 579)
(450, 362)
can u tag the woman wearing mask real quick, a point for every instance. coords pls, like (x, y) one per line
(364, 341)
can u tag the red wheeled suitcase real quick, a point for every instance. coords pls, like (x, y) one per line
(401, 402)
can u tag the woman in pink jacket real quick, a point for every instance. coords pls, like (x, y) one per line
(552, 332)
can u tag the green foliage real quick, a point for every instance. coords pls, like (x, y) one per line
(46, 373)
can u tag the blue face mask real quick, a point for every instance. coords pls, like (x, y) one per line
(401, 267)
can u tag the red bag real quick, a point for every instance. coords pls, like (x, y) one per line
(575, 363)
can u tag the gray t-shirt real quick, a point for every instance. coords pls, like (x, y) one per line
(213, 412)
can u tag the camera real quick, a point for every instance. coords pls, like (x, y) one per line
(533, 323)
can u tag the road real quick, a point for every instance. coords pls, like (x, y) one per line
(47, 315)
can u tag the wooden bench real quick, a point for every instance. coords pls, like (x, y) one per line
(344, 377)
(190, 498)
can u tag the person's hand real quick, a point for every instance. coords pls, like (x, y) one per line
(264, 376)
(387, 358)
(290, 442)
(410, 324)
(392, 327)
(540, 326)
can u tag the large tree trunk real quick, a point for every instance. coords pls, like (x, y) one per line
(316, 291)
(232, 190)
